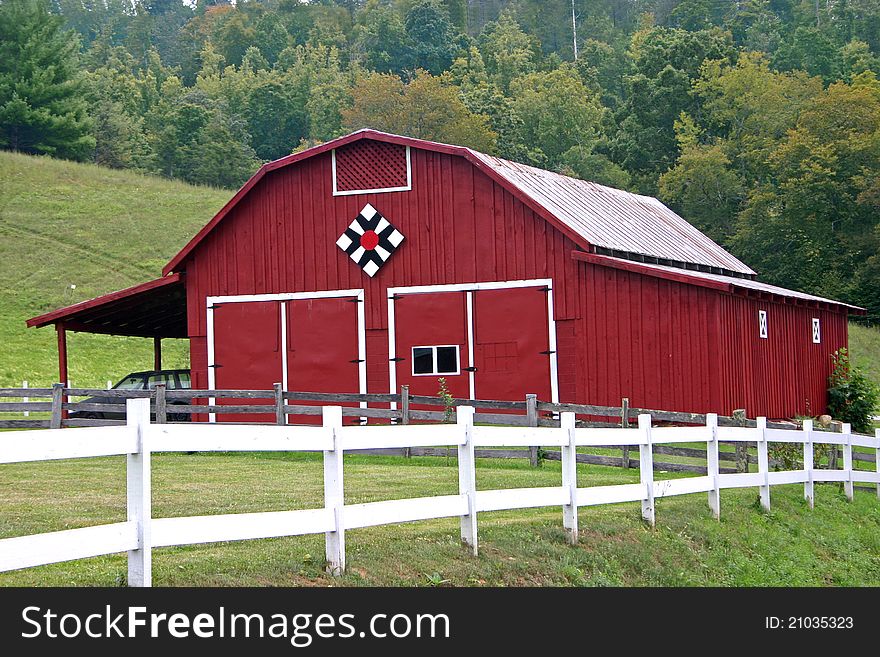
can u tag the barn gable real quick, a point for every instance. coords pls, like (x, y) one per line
(595, 217)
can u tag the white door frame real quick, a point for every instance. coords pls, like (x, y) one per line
(469, 289)
(210, 302)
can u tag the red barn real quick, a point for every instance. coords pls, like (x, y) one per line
(376, 260)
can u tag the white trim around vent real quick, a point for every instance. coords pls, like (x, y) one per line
(353, 192)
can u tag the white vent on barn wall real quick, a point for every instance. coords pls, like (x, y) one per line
(371, 167)
(817, 331)
(762, 323)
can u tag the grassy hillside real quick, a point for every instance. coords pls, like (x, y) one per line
(864, 347)
(64, 224)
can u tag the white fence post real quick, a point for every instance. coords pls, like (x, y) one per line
(109, 384)
(763, 462)
(139, 493)
(646, 468)
(24, 384)
(712, 465)
(569, 478)
(809, 489)
(877, 457)
(467, 476)
(848, 461)
(334, 495)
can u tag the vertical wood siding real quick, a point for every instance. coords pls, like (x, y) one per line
(459, 226)
(669, 345)
(661, 343)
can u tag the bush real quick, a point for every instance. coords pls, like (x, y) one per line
(852, 397)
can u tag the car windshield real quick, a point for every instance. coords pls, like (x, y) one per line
(130, 383)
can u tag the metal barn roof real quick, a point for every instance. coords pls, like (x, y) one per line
(591, 214)
(614, 219)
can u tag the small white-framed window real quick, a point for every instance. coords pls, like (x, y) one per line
(433, 360)
(762, 323)
(817, 331)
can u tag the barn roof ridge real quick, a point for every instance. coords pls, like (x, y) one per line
(589, 213)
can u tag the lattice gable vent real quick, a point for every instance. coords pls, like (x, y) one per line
(369, 166)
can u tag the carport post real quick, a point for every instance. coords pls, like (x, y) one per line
(62, 353)
(157, 354)
(62, 361)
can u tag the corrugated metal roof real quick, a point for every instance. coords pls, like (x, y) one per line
(615, 219)
(746, 284)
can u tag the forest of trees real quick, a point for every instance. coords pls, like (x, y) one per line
(757, 120)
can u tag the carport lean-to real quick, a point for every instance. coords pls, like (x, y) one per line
(156, 309)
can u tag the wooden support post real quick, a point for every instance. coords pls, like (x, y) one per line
(404, 414)
(848, 461)
(646, 468)
(334, 498)
(280, 417)
(741, 449)
(569, 478)
(62, 354)
(24, 384)
(712, 465)
(57, 402)
(161, 407)
(140, 561)
(763, 462)
(532, 418)
(467, 476)
(63, 375)
(836, 427)
(624, 422)
(157, 353)
(809, 492)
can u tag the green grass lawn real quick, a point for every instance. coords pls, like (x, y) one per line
(64, 224)
(837, 543)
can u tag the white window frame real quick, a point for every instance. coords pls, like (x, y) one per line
(283, 298)
(354, 192)
(817, 330)
(469, 289)
(434, 348)
(763, 326)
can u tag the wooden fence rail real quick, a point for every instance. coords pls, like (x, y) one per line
(140, 438)
(181, 405)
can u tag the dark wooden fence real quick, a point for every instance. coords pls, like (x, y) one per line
(181, 405)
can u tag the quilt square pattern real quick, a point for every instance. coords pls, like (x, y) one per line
(370, 240)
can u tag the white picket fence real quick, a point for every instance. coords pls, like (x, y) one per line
(139, 439)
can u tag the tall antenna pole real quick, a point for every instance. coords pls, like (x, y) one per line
(574, 31)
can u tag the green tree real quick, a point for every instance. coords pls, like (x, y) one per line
(432, 34)
(42, 103)
(812, 225)
(562, 123)
(508, 51)
(428, 107)
(702, 185)
(380, 40)
(666, 62)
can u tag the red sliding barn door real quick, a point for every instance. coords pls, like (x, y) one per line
(247, 354)
(512, 344)
(322, 349)
(431, 341)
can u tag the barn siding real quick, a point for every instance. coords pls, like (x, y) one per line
(661, 343)
(670, 345)
(444, 243)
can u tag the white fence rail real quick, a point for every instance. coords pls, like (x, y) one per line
(139, 439)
